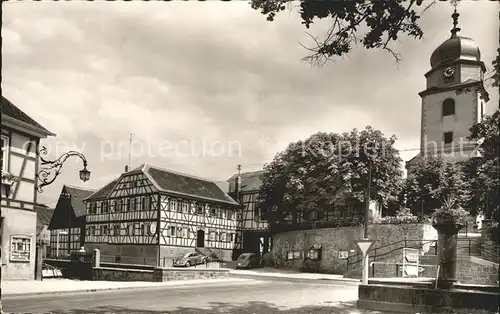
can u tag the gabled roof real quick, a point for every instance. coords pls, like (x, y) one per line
(103, 192)
(70, 207)
(250, 181)
(77, 196)
(9, 110)
(173, 182)
(170, 181)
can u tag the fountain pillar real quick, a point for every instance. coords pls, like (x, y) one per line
(447, 253)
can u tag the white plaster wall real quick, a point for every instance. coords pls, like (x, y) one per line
(434, 124)
(22, 223)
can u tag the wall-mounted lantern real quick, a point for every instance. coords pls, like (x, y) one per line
(52, 168)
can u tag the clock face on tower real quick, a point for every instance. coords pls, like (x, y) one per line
(448, 73)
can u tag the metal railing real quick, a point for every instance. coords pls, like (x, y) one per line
(473, 247)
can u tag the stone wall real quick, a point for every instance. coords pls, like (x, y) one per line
(490, 249)
(121, 274)
(167, 274)
(415, 299)
(157, 274)
(335, 240)
(470, 269)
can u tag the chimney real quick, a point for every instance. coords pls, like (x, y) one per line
(237, 187)
(126, 168)
(237, 184)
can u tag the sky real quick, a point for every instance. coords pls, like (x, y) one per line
(205, 86)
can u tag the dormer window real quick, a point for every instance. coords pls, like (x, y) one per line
(448, 107)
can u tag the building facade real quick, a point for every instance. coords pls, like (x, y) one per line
(20, 143)
(151, 216)
(253, 229)
(453, 100)
(67, 225)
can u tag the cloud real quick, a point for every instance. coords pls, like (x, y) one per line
(206, 75)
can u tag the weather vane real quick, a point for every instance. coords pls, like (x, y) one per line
(455, 16)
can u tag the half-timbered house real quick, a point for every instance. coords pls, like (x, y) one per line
(19, 164)
(67, 225)
(151, 215)
(253, 230)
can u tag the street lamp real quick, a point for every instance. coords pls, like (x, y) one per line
(52, 168)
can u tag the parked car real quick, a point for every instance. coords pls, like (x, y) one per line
(248, 260)
(191, 259)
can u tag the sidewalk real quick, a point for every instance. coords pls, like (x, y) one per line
(282, 273)
(23, 288)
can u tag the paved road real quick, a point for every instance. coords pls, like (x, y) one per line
(262, 296)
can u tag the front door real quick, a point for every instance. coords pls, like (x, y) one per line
(200, 238)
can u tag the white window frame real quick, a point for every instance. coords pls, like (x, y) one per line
(185, 233)
(13, 250)
(5, 152)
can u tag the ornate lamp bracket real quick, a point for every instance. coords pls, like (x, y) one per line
(52, 168)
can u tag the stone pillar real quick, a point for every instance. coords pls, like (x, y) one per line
(447, 253)
(97, 258)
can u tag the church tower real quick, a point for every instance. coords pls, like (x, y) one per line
(453, 100)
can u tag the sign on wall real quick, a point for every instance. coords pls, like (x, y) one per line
(343, 254)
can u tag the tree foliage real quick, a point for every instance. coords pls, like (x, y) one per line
(328, 169)
(373, 24)
(484, 172)
(434, 182)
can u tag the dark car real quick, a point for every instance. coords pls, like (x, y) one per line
(248, 260)
(191, 259)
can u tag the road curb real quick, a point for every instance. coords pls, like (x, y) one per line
(253, 276)
(157, 287)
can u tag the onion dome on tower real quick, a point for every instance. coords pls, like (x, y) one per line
(455, 48)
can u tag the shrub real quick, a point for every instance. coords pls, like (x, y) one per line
(403, 215)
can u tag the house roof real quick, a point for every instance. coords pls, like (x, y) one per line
(174, 182)
(103, 192)
(12, 111)
(43, 215)
(170, 181)
(77, 196)
(250, 181)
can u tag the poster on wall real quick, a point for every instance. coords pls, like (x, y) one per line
(290, 255)
(20, 249)
(296, 255)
